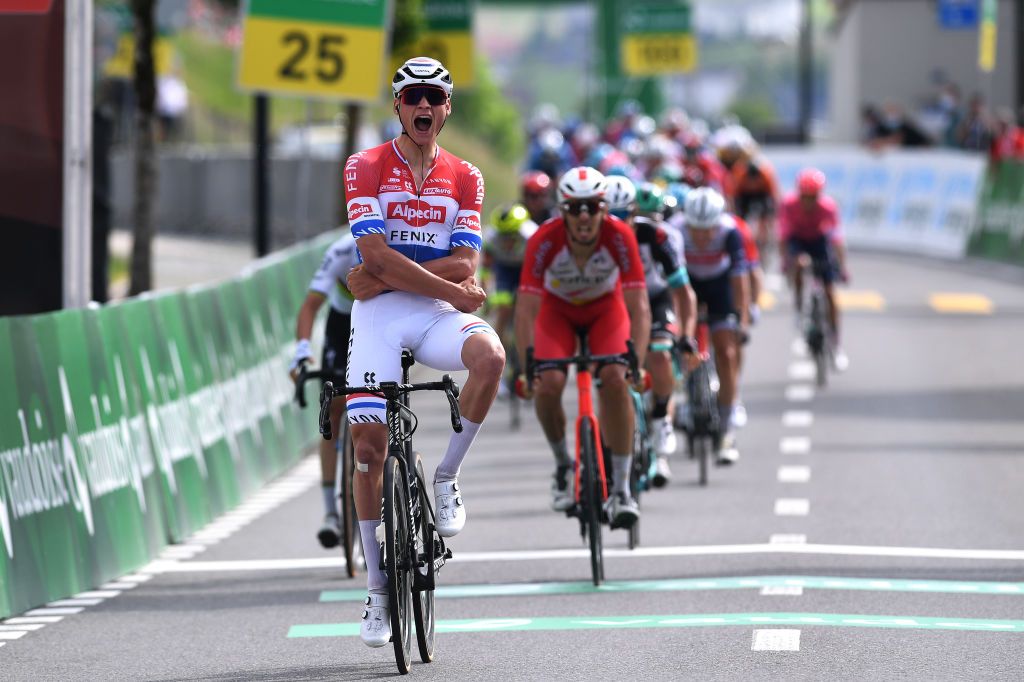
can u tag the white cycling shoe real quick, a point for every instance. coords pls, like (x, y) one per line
(664, 437)
(563, 492)
(375, 627)
(449, 510)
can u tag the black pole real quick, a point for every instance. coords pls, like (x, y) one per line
(806, 66)
(1019, 32)
(353, 120)
(261, 176)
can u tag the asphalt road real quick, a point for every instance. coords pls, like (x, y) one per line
(871, 530)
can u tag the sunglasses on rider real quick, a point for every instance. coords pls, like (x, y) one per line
(435, 96)
(592, 206)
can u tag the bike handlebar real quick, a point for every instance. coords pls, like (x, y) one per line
(390, 390)
(305, 375)
(581, 361)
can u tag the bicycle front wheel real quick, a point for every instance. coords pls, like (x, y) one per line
(350, 543)
(423, 600)
(592, 498)
(397, 542)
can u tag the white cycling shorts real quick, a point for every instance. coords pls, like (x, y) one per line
(385, 324)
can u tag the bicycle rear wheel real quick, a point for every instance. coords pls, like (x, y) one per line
(350, 543)
(423, 600)
(591, 498)
(397, 542)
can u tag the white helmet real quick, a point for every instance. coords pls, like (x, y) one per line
(582, 182)
(621, 193)
(703, 207)
(421, 71)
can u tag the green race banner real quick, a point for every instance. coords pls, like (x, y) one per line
(999, 231)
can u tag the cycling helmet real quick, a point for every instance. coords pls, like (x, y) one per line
(582, 182)
(509, 218)
(810, 181)
(421, 71)
(703, 208)
(535, 182)
(650, 199)
(620, 195)
(667, 173)
(678, 190)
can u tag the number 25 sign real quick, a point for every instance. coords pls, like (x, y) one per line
(325, 48)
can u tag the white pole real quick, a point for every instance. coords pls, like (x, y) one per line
(77, 194)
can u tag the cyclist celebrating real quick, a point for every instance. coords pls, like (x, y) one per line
(671, 298)
(718, 270)
(809, 224)
(415, 213)
(330, 284)
(583, 271)
(537, 197)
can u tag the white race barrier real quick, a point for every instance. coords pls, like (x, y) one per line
(909, 201)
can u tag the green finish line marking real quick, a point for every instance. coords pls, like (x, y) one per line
(677, 585)
(680, 621)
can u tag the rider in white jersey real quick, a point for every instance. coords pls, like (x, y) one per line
(330, 284)
(415, 213)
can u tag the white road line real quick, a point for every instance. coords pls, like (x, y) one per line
(794, 474)
(799, 347)
(13, 635)
(787, 539)
(795, 445)
(3, 643)
(75, 602)
(115, 585)
(97, 594)
(34, 619)
(799, 393)
(802, 370)
(797, 419)
(790, 506)
(24, 627)
(66, 610)
(781, 591)
(776, 639)
(789, 547)
(135, 578)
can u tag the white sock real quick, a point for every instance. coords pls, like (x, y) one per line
(620, 472)
(458, 446)
(376, 579)
(330, 499)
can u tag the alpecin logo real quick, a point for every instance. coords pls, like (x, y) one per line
(468, 222)
(417, 213)
(357, 211)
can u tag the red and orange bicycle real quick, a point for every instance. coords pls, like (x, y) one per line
(590, 476)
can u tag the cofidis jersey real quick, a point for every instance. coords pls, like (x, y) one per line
(443, 214)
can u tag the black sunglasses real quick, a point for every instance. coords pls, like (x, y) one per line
(435, 96)
(576, 207)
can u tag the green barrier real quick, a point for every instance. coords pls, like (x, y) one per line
(999, 233)
(125, 427)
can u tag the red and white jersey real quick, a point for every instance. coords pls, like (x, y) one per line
(382, 199)
(548, 266)
(821, 221)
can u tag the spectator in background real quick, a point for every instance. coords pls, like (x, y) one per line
(906, 128)
(975, 130)
(890, 127)
(171, 105)
(949, 103)
(1007, 138)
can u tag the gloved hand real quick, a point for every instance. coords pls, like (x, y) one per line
(303, 355)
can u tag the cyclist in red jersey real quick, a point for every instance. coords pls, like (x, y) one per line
(537, 195)
(809, 227)
(414, 210)
(582, 270)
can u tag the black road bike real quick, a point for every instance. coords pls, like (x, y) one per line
(349, 541)
(412, 551)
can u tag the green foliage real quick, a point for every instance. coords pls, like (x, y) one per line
(754, 113)
(409, 23)
(486, 112)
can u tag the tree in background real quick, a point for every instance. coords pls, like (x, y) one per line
(145, 148)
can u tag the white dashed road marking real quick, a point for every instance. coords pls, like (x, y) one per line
(781, 591)
(776, 639)
(799, 393)
(797, 418)
(794, 474)
(788, 506)
(802, 370)
(795, 445)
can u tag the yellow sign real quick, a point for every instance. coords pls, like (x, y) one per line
(312, 59)
(987, 47)
(653, 54)
(122, 64)
(454, 49)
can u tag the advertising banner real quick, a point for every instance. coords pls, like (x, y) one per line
(913, 202)
(1000, 227)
